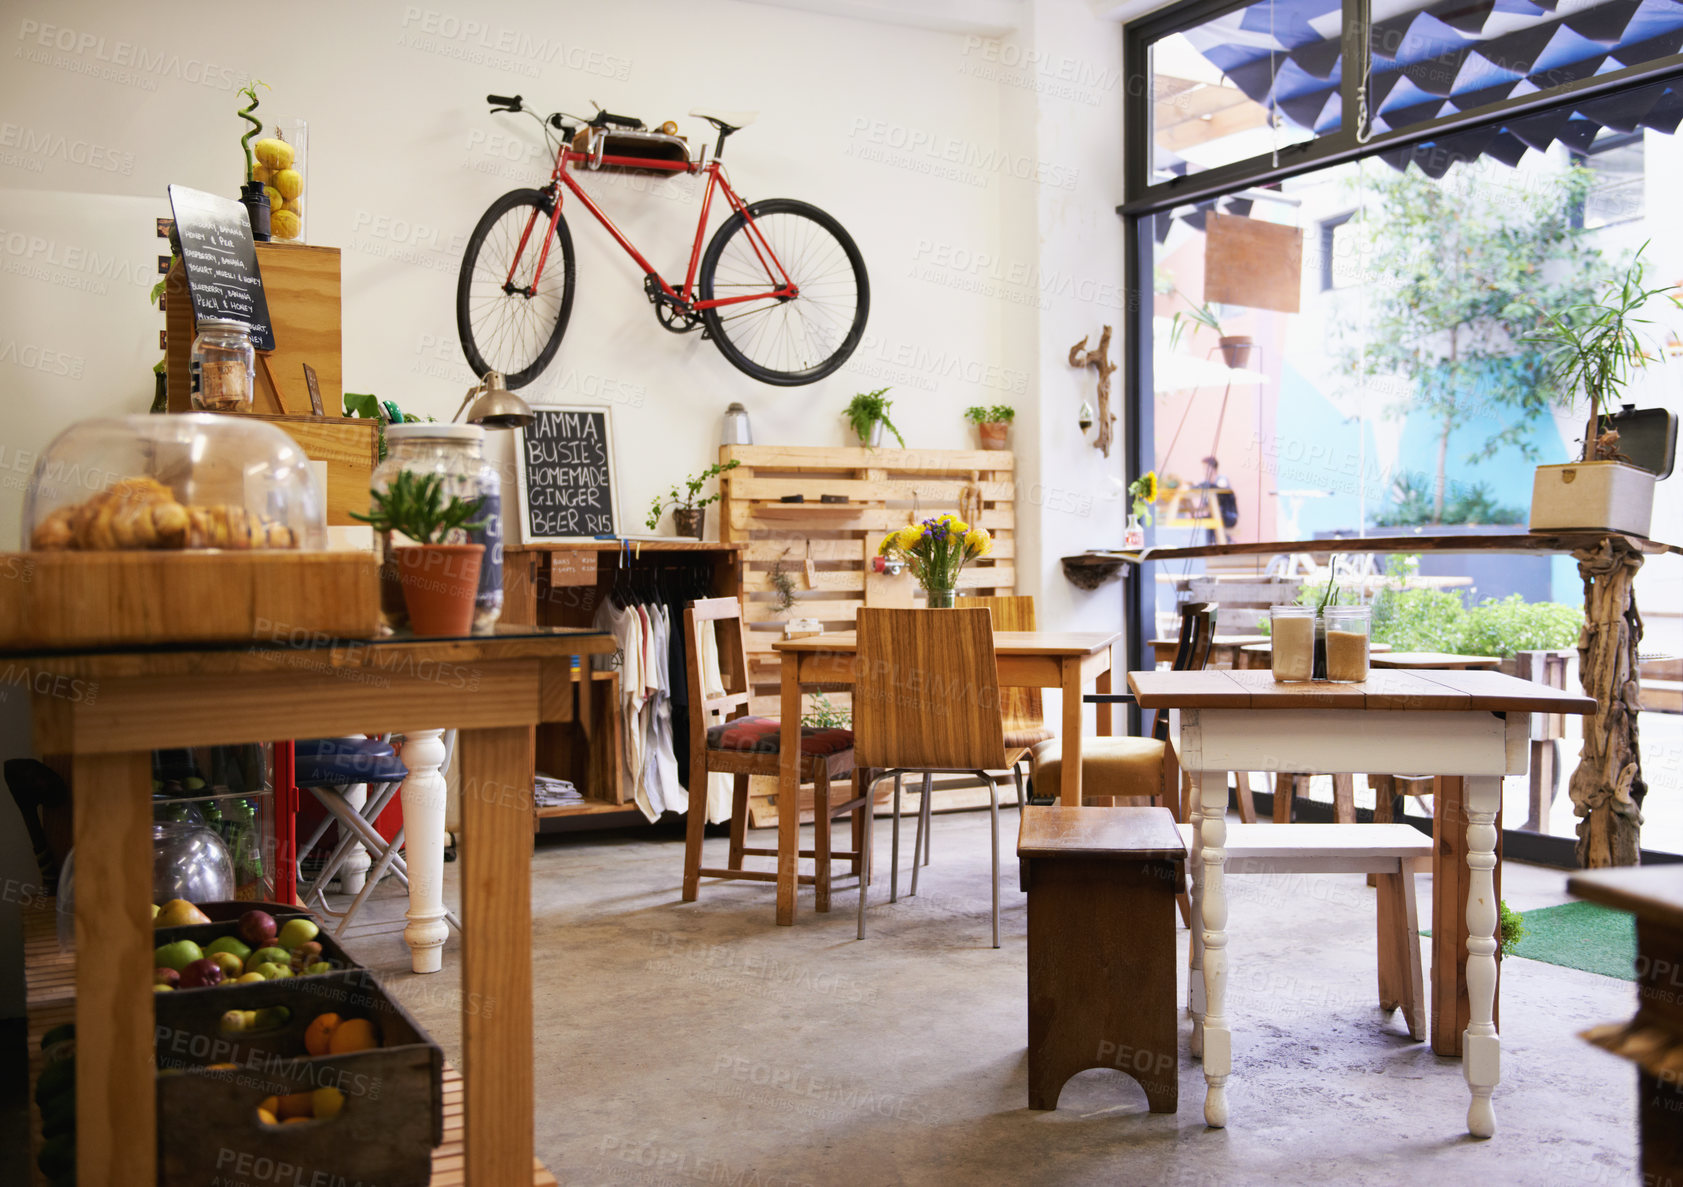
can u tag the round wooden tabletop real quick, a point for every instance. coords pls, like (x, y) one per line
(1442, 660)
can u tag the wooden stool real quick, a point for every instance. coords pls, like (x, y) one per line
(1101, 886)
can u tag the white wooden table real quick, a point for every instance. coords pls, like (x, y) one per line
(1476, 725)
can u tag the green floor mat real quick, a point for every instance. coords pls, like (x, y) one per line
(1581, 936)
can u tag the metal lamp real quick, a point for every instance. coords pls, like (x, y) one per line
(496, 407)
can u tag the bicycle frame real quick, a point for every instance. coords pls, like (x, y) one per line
(684, 294)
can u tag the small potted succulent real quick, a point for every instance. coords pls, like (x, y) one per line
(992, 423)
(689, 509)
(1596, 348)
(438, 575)
(868, 414)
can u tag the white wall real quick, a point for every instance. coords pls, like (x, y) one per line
(978, 176)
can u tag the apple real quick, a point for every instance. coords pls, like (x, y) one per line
(272, 971)
(167, 977)
(320, 966)
(201, 974)
(178, 912)
(163, 989)
(176, 955)
(248, 978)
(297, 932)
(232, 944)
(257, 928)
(267, 955)
(231, 965)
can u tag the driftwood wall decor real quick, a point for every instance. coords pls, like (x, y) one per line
(1099, 358)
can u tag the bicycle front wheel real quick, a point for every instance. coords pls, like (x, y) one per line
(785, 341)
(511, 317)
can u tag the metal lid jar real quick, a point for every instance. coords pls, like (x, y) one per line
(222, 369)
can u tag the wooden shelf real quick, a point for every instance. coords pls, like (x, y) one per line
(662, 544)
(588, 808)
(1562, 542)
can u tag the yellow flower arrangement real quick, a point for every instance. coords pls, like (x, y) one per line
(1144, 492)
(936, 551)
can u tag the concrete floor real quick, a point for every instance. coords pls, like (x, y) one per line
(683, 1043)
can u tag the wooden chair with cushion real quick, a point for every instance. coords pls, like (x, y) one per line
(926, 700)
(743, 745)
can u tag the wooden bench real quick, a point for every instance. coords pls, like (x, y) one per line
(1389, 851)
(1101, 886)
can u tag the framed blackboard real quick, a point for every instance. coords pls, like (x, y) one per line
(221, 261)
(566, 474)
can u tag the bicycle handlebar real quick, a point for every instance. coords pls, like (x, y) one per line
(603, 118)
(504, 102)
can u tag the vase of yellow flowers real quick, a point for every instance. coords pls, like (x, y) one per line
(936, 551)
(1143, 491)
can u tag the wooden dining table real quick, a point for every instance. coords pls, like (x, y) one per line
(1467, 728)
(1065, 660)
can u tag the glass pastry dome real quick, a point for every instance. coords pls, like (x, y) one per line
(176, 481)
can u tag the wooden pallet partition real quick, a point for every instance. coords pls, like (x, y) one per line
(885, 489)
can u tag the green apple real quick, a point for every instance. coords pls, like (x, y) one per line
(232, 966)
(271, 971)
(177, 955)
(296, 932)
(320, 966)
(233, 944)
(163, 989)
(266, 956)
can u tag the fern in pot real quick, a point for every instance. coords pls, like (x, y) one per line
(1595, 349)
(867, 415)
(438, 574)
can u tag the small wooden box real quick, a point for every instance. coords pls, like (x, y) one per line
(54, 600)
(208, 1130)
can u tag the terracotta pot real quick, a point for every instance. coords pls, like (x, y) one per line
(690, 521)
(993, 433)
(439, 584)
(1236, 349)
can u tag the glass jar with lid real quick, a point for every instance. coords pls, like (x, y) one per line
(1291, 632)
(458, 453)
(1348, 629)
(187, 480)
(223, 367)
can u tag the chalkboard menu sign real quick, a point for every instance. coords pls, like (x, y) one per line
(221, 261)
(566, 475)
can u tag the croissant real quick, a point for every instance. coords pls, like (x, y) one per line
(54, 533)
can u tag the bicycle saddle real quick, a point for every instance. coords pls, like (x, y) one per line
(724, 119)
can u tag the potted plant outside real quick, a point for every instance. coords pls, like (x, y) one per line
(1235, 348)
(689, 509)
(438, 575)
(1595, 348)
(936, 551)
(867, 413)
(992, 423)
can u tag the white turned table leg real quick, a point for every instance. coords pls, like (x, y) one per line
(424, 794)
(354, 870)
(1195, 926)
(1481, 1058)
(1211, 789)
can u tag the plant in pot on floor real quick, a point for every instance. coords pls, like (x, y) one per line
(689, 508)
(992, 424)
(936, 551)
(868, 414)
(1596, 348)
(438, 574)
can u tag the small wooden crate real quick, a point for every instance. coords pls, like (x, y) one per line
(55, 600)
(208, 1129)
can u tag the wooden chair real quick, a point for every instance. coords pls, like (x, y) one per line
(743, 745)
(1025, 718)
(926, 700)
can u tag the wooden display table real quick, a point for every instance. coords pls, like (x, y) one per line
(1469, 727)
(118, 706)
(1653, 1039)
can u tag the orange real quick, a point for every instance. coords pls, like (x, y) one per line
(318, 1038)
(354, 1034)
(270, 1105)
(327, 1102)
(266, 1117)
(298, 1121)
(296, 1104)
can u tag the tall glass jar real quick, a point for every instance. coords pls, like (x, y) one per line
(1292, 635)
(1347, 632)
(222, 367)
(279, 165)
(458, 453)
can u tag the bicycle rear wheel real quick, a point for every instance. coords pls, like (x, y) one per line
(785, 341)
(507, 323)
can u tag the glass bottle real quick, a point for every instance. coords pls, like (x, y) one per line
(458, 453)
(222, 367)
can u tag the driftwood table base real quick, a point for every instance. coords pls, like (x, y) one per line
(1607, 788)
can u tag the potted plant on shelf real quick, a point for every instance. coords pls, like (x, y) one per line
(992, 424)
(438, 574)
(689, 509)
(868, 414)
(936, 550)
(1596, 348)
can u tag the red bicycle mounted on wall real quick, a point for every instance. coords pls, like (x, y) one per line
(781, 289)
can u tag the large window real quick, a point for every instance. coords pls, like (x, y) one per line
(1343, 270)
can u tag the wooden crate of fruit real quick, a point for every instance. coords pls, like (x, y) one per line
(57, 600)
(308, 1079)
